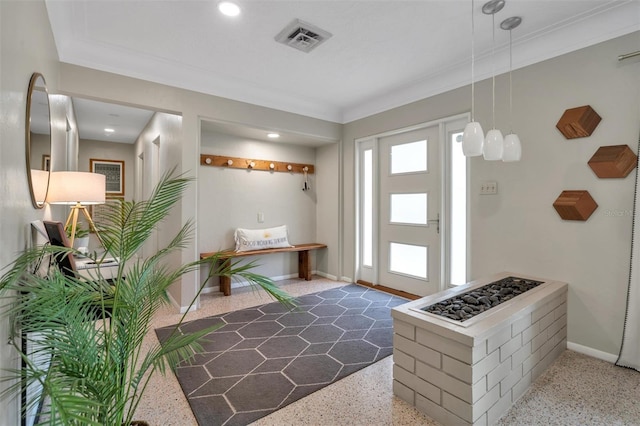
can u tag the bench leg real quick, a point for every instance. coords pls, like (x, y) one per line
(304, 265)
(225, 282)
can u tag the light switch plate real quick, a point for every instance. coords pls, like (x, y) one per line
(489, 188)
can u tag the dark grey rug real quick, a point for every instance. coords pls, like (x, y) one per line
(266, 357)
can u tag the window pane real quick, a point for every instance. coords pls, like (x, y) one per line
(409, 157)
(409, 208)
(367, 207)
(408, 259)
(458, 253)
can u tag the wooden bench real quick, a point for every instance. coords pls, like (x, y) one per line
(304, 261)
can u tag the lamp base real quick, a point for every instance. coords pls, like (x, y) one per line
(73, 219)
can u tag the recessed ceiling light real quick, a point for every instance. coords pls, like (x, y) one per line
(228, 8)
(273, 135)
(109, 130)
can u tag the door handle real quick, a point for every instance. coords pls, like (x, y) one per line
(435, 222)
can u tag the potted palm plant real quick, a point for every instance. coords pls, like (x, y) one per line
(85, 335)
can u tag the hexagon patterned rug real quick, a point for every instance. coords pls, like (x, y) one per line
(266, 357)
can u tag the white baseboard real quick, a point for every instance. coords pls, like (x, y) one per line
(211, 289)
(325, 275)
(181, 309)
(347, 279)
(612, 358)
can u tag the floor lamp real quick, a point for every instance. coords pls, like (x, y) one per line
(78, 190)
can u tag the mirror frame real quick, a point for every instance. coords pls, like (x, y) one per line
(32, 86)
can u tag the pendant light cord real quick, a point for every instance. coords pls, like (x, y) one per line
(510, 85)
(493, 67)
(473, 100)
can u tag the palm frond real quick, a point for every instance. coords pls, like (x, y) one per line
(85, 335)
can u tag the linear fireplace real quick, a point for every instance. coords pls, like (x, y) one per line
(464, 367)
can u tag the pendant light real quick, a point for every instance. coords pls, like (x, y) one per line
(512, 147)
(473, 136)
(494, 142)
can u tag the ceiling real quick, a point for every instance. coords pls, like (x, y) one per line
(382, 53)
(94, 117)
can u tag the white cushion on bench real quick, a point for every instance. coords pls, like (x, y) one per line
(257, 239)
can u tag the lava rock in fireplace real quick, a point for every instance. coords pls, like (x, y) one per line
(467, 305)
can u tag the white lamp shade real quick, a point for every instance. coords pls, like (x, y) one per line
(76, 187)
(493, 145)
(512, 148)
(39, 182)
(472, 139)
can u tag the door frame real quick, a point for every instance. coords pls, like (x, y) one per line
(444, 194)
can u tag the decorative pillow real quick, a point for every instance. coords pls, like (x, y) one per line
(258, 239)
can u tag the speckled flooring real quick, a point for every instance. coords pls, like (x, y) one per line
(575, 390)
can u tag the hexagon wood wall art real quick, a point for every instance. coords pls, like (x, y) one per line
(575, 205)
(615, 161)
(578, 122)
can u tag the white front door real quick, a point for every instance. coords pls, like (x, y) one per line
(412, 198)
(409, 209)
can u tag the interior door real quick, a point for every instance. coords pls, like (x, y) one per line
(409, 207)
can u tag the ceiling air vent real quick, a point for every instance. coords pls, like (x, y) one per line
(302, 36)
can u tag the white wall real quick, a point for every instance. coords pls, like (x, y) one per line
(160, 142)
(518, 230)
(231, 198)
(27, 46)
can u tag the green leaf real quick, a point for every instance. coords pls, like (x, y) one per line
(86, 335)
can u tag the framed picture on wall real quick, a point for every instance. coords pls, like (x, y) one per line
(98, 211)
(114, 173)
(46, 163)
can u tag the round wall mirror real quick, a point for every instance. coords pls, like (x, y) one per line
(38, 140)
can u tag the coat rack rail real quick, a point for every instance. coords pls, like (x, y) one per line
(254, 164)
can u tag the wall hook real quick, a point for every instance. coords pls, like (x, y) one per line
(248, 163)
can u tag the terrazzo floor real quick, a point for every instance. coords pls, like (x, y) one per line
(575, 390)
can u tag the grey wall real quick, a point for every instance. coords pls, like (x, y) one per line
(160, 142)
(192, 107)
(102, 150)
(518, 230)
(328, 229)
(230, 198)
(39, 148)
(27, 46)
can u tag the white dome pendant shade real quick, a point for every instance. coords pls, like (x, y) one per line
(472, 139)
(512, 150)
(473, 136)
(493, 145)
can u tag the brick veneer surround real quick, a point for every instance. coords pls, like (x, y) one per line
(471, 373)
